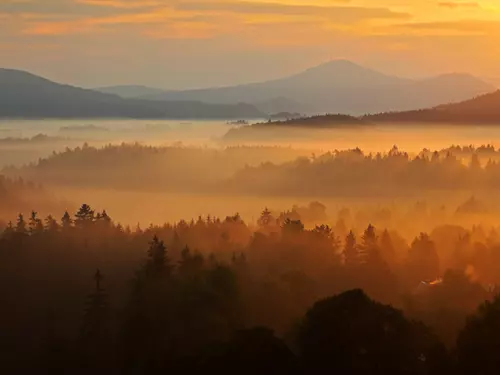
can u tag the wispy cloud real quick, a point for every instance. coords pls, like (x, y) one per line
(457, 5)
(121, 4)
(201, 19)
(459, 27)
(343, 13)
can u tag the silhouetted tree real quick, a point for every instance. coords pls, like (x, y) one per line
(423, 258)
(66, 221)
(252, 351)
(369, 249)
(292, 226)
(158, 263)
(8, 231)
(35, 224)
(387, 251)
(21, 227)
(190, 265)
(478, 342)
(51, 224)
(351, 334)
(96, 345)
(84, 216)
(351, 255)
(266, 218)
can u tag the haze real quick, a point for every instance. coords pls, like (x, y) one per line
(176, 44)
(249, 187)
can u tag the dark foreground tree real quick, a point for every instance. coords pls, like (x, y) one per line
(352, 334)
(250, 352)
(95, 342)
(479, 342)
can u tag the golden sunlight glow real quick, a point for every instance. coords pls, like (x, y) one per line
(422, 33)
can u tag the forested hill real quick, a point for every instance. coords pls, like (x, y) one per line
(289, 127)
(24, 95)
(483, 109)
(320, 121)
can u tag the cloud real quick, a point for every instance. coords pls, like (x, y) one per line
(75, 7)
(158, 23)
(457, 5)
(336, 12)
(203, 19)
(121, 4)
(460, 27)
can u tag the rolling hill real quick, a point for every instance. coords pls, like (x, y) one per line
(341, 86)
(24, 95)
(484, 109)
(294, 128)
(129, 91)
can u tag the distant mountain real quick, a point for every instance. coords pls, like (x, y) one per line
(282, 104)
(344, 87)
(24, 95)
(484, 109)
(130, 91)
(495, 81)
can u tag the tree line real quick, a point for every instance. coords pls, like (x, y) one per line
(270, 171)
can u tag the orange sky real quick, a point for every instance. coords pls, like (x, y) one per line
(185, 43)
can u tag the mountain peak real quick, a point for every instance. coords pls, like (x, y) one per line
(24, 95)
(460, 80)
(337, 65)
(343, 73)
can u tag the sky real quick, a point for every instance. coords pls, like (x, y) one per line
(176, 44)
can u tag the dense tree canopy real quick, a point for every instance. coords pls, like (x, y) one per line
(84, 294)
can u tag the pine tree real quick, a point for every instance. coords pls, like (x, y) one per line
(95, 336)
(370, 252)
(190, 264)
(35, 223)
(158, 265)
(292, 226)
(351, 256)
(424, 259)
(21, 227)
(387, 248)
(105, 217)
(8, 231)
(66, 221)
(266, 218)
(84, 216)
(51, 224)
(138, 229)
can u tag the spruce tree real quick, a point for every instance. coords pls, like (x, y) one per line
(21, 227)
(158, 265)
(84, 216)
(351, 256)
(95, 335)
(66, 221)
(35, 224)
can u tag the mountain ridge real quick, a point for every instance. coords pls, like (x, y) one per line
(482, 109)
(25, 95)
(341, 86)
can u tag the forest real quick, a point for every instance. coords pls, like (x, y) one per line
(249, 187)
(251, 170)
(337, 261)
(83, 294)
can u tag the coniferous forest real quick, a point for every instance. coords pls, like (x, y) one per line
(249, 187)
(82, 294)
